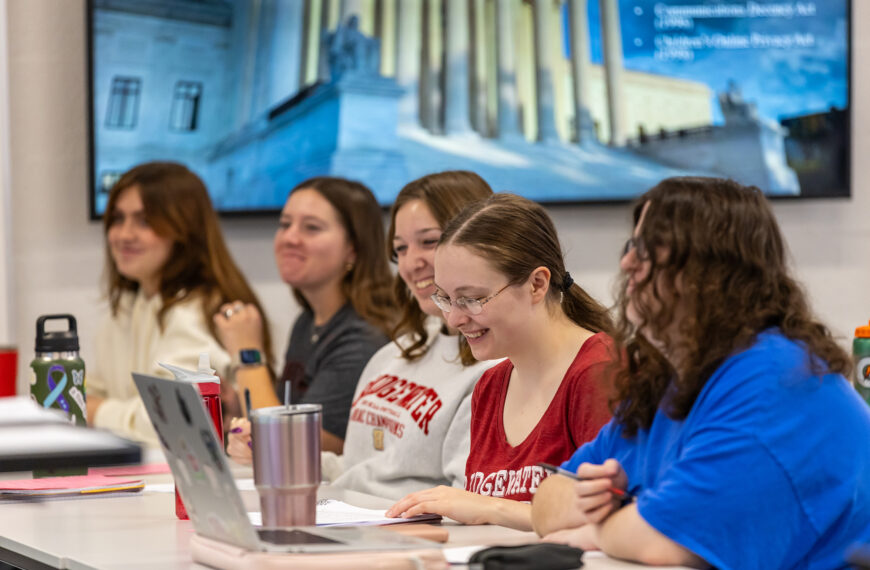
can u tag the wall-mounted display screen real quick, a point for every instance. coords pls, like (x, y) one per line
(563, 101)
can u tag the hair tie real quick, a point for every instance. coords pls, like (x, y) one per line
(567, 281)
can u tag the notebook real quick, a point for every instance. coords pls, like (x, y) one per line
(213, 502)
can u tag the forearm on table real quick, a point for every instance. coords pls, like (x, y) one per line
(509, 513)
(259, 382)
(554, 506)
(625, 534)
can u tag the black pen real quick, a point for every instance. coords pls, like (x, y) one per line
(247, 403)
(559, 471)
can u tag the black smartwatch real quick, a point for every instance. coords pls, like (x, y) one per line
(250, 357)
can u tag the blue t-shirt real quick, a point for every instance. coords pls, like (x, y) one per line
(771, 468)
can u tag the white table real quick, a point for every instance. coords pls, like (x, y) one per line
(141, 531)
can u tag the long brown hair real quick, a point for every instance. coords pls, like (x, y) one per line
(177, 207)
(718, 259)
(445, 194)
(367, 285)
(517, 236)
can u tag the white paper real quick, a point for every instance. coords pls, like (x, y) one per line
(52, 438)
(331, 512)
(22, 410)
(160, 487)
(241, 484)
(460, 554)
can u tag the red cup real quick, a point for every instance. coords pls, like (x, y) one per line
(8, 370)
(211, 397)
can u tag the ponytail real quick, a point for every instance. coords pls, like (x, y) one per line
(580, 307)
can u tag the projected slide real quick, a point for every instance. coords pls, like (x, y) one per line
(563, 102)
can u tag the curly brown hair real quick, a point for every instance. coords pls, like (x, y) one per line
(445, 194)
(718, 276)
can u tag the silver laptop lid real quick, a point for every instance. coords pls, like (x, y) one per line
(210, 495)
(196, 458)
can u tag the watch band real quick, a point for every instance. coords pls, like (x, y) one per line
(249, 357)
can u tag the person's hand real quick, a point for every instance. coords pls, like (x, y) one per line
(561, 502)
(239, 325)
(585, 537)
(92, 404)
(457, 504)
(239, 441)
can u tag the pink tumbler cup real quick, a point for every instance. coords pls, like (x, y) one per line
(286, 442)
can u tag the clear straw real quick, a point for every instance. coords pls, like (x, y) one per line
(287, 393)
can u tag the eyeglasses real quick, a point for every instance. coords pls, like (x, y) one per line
(467, 304)
(634, 243)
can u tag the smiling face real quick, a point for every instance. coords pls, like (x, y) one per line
(416, 236)
(497, 330)
(312, 248)
(136, 249)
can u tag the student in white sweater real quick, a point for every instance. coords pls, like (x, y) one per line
(168, 271)
(409, 421)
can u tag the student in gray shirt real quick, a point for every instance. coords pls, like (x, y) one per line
(330, 248)
(409, 421)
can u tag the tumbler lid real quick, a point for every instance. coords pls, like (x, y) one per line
(57, 341)
(276, 413)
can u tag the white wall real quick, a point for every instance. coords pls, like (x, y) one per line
(57, 255)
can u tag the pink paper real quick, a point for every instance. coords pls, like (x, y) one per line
(131, 470)
(74, 482)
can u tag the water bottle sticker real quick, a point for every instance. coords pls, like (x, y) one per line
(863, 372)
(77, 395)
(78, 377)
(56, 387)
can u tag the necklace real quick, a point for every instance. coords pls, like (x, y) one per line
(316, 332)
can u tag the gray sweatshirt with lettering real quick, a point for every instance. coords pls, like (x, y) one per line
(409, 421)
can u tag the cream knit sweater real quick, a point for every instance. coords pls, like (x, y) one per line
(132, 341)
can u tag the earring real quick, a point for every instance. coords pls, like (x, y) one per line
(348, 267)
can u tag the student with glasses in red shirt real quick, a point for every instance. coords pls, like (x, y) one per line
(501, 281)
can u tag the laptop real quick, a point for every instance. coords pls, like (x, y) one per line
(210, 495)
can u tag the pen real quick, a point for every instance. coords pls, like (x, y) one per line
(559, 471)
(247, 403)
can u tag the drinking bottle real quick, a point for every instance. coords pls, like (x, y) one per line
(209, 387)
(58, 372)
(861, 352)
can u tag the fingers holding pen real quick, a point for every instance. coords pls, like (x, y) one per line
(610, 469)
(600, 489)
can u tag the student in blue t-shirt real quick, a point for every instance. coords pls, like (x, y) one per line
(734, 428)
